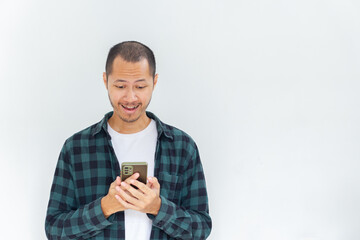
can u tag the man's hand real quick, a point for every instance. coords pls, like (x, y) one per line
(109, 204)
(145, 199)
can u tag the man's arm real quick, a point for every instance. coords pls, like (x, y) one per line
(191, 219)
(64, 218)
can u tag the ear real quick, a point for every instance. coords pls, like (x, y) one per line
(155, 80)
(105, 80)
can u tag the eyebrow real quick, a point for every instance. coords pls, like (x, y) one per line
(121, 80)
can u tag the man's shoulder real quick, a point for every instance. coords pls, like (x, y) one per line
(177, 135)
(176, 132)
(81, 137)
(89, 132)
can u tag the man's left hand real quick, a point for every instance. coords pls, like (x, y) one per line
(145, 199)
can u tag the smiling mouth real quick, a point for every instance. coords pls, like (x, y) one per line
(128, 108)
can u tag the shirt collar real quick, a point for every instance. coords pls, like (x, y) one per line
(161, 127)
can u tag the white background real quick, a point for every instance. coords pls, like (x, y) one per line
(269, 90)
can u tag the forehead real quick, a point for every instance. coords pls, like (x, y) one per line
(129, 70)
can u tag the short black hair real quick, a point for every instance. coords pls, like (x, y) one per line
(131, 51)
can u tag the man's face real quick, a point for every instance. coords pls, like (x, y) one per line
(130, 88)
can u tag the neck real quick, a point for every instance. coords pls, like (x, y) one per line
(121, 126)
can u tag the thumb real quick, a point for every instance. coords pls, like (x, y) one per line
(154, 182)
(118, 180)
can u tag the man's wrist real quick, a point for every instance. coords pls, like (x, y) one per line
(104, 208)
(158, 206)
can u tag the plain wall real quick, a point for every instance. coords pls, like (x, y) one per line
(269, 90)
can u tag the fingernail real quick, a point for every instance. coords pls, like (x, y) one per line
(123, 184)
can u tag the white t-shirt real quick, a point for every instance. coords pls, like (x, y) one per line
(136, 147)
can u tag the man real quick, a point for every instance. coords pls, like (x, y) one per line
(88, 200)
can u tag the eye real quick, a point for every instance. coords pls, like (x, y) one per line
(119, 86)
(141, 87)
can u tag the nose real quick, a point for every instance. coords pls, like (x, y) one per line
(130, 95)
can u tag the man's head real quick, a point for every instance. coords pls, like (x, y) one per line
(130, 79)
(131, 51)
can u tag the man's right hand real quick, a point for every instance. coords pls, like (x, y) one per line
(109, 204)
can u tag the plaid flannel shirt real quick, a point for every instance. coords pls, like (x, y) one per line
(86, 167)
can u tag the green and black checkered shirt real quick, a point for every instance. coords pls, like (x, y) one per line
(86, 167)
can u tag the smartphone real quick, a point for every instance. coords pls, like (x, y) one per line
(129, 168)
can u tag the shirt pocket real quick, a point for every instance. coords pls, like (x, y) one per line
(169, 186)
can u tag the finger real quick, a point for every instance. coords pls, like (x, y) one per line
(117, 188)
(141, 186)
(126, 204)
(128, 198)
(134, 176)
(133, 192)
(117, 193)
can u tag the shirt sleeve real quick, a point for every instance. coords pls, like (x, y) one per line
(64, 218)
(191, 219)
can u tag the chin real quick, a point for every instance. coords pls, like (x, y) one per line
(129, 119)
